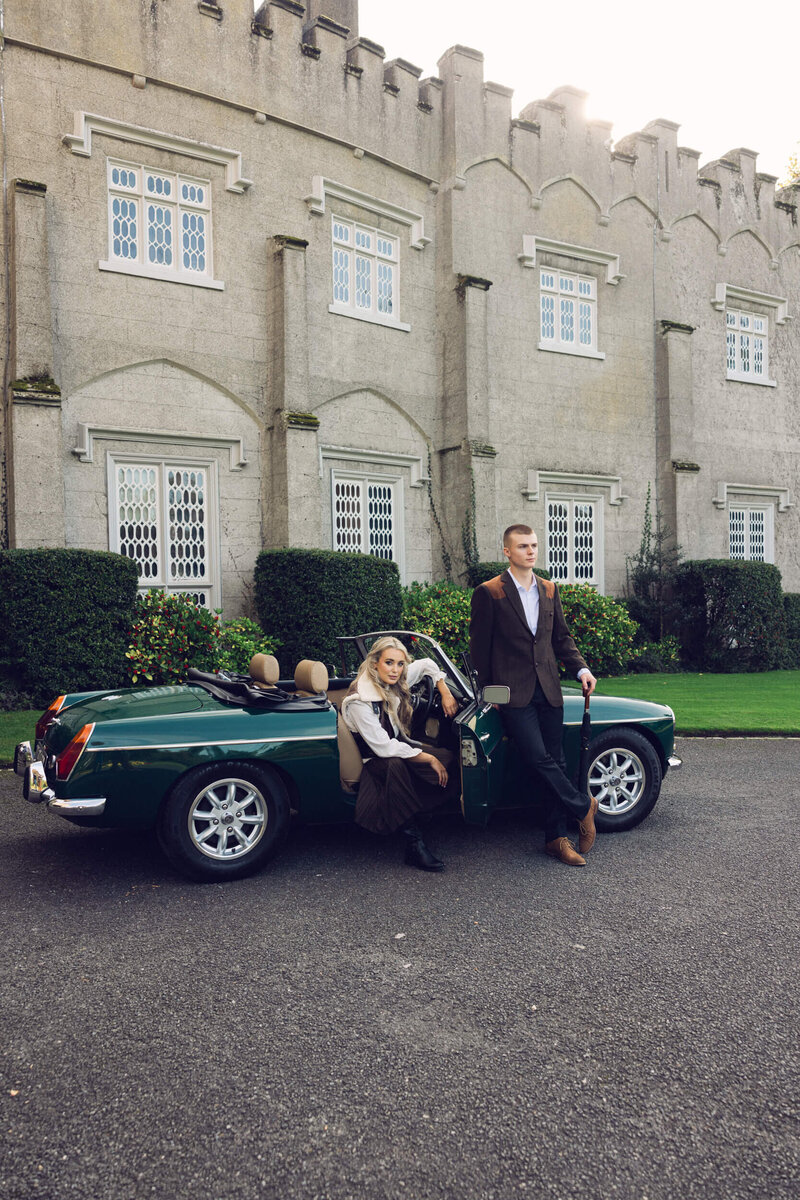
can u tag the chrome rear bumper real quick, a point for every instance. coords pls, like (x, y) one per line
(36, 790)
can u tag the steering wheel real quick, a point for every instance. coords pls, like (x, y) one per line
(423, 695)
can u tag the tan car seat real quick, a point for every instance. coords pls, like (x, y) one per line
(264, 671)
(310, 678)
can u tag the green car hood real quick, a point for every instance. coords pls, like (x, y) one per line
(612, 709)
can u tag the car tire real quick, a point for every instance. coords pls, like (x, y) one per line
(224, 821)
(625, 776)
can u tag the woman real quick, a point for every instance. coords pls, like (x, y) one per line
(399, 778)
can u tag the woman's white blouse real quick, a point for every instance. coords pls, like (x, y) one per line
(360, 717)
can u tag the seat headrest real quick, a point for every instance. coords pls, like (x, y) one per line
(264, 669)
(311, 676)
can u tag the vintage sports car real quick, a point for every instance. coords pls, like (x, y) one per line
(218, 765)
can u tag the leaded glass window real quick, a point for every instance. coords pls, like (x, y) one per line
(746, 337)
(750, 533)
(568, 312)
(365, 271)
(159, 222)
(162, 520)
(366, 515)
(572, 540)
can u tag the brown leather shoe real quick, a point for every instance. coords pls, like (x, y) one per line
(563, 849)
(587, 828)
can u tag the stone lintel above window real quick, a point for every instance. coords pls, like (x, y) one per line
(533, 245)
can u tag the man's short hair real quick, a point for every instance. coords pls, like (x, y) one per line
(521, 529)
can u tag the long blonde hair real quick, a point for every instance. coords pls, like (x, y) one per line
(369, 669)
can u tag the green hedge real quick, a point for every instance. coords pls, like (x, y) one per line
(65, 617)
(441, 610)
(305, 598)
(601, 626)
(732, 615)
(791, 607)
(487, 570)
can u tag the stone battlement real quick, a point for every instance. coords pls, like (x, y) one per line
(306, 65)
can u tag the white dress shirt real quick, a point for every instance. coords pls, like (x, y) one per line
(360, 717)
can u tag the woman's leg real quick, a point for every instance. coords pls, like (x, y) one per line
(389, 799)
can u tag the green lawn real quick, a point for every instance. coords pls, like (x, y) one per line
(16, 727)
(768, 702)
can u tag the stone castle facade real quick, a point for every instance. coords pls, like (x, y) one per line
(265, 288)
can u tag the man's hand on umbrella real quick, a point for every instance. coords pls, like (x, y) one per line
(588, 683)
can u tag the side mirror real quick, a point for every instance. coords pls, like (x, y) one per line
(495, 693)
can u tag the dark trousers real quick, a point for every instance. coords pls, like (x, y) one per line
(537, 730)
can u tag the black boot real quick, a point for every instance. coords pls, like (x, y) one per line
(417, 853)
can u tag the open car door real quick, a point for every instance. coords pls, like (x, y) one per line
(483, 750)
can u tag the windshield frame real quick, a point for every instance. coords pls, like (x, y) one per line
(458, 682)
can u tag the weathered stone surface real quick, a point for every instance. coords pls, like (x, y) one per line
(659, 234)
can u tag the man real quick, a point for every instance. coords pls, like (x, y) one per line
(517, 632)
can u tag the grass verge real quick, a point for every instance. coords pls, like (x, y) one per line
(763, 703)
(16, 727)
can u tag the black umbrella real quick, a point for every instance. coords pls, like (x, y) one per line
(586, 733)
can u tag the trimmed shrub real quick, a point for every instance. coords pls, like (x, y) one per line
(239, 640)
(307, 598)
(170, 633)
(602, 628)
(441, 610)
(791, 607)
(482, 571)
(65, 616)
(662, 657)
(733, 616)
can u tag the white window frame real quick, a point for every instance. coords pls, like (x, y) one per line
(211, 584)
(398, 509)
(181, 206)
(747, 347)
(561, 289)
(571, 499)
(746, 508)
(383, 249)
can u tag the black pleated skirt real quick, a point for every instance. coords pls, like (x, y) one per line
(393, 791)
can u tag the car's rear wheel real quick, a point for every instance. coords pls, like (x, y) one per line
(625, 776)
(224, 821)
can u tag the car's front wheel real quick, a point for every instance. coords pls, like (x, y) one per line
(223, 821)
(625, 776)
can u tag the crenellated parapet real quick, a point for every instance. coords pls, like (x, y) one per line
(309, 65)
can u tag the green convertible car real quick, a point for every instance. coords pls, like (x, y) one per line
(218, 765)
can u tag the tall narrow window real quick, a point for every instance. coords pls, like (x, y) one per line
(163, 516)
(573, 544)
(367, 515)
(568, 312)
(159, 224)
(746, 346)
(750, 533)
(365, 273)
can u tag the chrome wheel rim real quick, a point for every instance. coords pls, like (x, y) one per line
(617, 778)
(227, 819)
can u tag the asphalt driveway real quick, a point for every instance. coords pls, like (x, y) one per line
(344, 1027)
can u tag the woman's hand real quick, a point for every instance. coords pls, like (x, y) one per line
(449, 702)
(438, 767)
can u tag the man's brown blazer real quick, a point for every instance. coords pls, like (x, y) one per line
(504, 650)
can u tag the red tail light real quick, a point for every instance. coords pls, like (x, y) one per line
(71, 753)
(48, 715)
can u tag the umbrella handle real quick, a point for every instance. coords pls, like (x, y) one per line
(586, 702)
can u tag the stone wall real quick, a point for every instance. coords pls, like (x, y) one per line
(292, 117)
